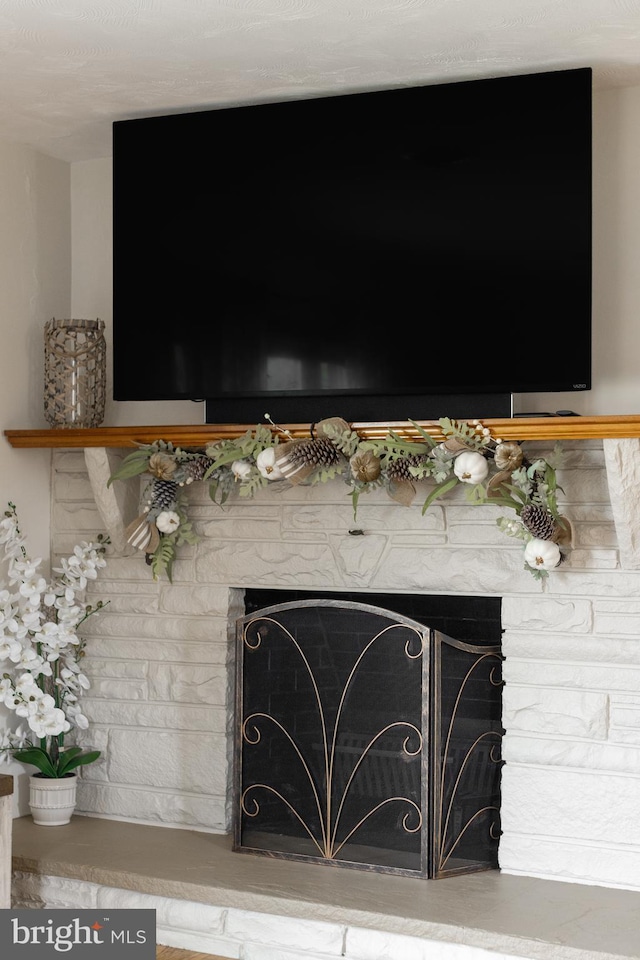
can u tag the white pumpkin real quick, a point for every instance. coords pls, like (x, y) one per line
(542, 554)
(241, 469)
(470, 467)
(266, 464)
(167, 521)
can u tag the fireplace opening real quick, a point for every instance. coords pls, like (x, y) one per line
(368, 730)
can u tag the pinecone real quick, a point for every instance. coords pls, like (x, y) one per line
(538, 521)
(400, 469)
(316, 452)
(163, 494)
(195, 469)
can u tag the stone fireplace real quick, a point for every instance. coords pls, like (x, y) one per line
(160, 657)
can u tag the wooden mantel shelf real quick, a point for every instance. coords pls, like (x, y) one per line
(199, 435)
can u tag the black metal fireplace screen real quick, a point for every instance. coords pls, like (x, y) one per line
(365, 738)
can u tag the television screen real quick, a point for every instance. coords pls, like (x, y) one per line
(373, 255)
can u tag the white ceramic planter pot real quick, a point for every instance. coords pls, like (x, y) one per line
(52, 801)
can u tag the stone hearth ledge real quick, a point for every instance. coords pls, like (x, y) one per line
(515, 915)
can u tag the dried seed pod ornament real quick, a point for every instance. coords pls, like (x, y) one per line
(365, 466)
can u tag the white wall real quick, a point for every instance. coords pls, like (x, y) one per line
(35, 280)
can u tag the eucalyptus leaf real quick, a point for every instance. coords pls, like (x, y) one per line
(227, 456)
(517, 493)
(476, 494)
(129, 468)
(428, 439)
(402, 447)
(500, 501)
(217, 492)
(438, 491)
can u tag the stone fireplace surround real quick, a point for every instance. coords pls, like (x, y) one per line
(160, 655)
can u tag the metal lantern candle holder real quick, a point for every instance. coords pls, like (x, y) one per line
(74, 373)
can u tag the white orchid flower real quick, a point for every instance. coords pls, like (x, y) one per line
(69, 671)
(8, 529)
(27, 687)
(8, 695)
(9, 619)
(11, 740)
(27, 709)
(49, 722)
(32, 590)
(77, 717)
(10, 649)
(70, 616)
(31, 620)
(41, 668)
(28, 658)
(82, 565)
(24, 569)
(11, 701)
(48, 633)
(72, 570)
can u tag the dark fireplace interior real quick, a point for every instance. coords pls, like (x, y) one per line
(368, 730)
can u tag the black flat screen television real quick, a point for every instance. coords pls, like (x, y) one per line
(409, 253)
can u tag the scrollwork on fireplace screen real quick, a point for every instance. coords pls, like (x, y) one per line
(466, 756)
(333, 716)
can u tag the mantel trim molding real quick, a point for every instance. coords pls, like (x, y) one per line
(199, 435)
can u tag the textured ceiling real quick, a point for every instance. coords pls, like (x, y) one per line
(69, 68)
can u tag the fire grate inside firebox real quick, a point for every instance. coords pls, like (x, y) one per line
(366, 737)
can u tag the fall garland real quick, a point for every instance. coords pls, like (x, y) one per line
(492, 470)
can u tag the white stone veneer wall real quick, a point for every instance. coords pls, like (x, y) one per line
(160, 656)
